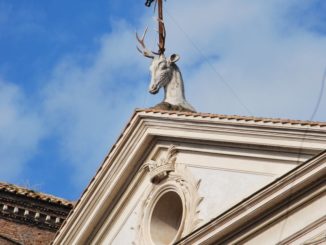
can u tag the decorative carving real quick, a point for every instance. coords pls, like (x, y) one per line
(164, 71)
(5, 208)
(181, 182)
(160, 169)
(44, 217)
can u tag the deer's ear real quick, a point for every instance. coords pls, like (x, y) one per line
(174, 58)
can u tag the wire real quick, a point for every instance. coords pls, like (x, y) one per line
(320, 96)
(316, 108)
(321, 92)
(209, 63)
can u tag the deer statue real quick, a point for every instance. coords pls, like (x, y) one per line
(165, 73)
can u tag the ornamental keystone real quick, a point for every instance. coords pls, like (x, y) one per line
(160, 169)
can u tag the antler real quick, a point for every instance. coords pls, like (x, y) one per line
(147, 53)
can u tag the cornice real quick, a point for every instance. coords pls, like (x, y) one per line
(18, 205)
(237, 118)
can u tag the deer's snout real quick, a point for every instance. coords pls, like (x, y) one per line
(153, 89)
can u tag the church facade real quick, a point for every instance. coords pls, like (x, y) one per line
(176, 176)
(193, 178)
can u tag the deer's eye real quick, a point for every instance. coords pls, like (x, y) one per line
(163, 65)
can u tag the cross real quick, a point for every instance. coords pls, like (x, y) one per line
(161, 27)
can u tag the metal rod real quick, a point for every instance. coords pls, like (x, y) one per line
(160, 26)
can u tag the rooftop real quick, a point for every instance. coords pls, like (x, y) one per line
(30, 217)
(24, 192)
(238, 118)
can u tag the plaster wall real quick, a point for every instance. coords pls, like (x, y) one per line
(125, 230)
(227, 176)
(222, 189)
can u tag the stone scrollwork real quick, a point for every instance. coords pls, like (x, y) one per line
(170, 207)
(160, 169)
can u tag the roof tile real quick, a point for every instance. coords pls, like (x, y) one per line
(33, 194)
(237, 118)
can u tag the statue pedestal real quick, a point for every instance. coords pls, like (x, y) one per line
(169, 107)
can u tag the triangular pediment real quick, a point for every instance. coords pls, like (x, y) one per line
(202, 163)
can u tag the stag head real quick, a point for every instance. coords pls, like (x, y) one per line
(161, 68)
(161, 71)
(165, 73)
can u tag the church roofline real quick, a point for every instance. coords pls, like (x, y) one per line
(24, 192)
(25, 206)
(247, 119)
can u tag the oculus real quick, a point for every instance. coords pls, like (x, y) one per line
(166, 218)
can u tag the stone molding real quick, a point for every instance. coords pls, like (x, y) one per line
(306, 230)
(31, 211)
(177, 179)
(317, 240)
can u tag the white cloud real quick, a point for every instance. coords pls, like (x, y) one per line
(88, 105)
(273, 65)
(20, 131)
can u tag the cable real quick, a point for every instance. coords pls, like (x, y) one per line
(316, 108)
(209, 63)
(321, 92)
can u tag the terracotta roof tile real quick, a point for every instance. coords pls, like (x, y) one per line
(237, 118)
(33, 194)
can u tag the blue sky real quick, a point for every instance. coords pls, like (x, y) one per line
(70, 76)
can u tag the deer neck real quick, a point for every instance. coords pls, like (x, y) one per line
(174, 90)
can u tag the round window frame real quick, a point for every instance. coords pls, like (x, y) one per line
(155, 198)
(186, 186)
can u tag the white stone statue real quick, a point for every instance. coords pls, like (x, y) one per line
(165, 73)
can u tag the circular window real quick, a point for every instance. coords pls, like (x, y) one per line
(166, 218)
